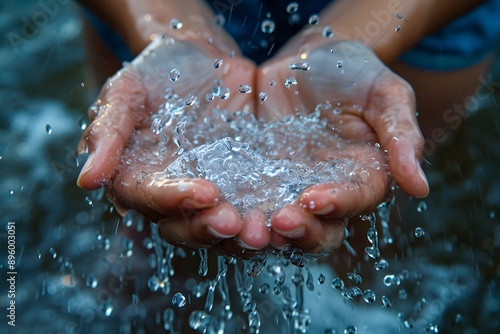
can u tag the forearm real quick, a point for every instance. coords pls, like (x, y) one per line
(138, 22)
(389, 27)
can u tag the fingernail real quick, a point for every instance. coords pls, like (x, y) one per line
(89, 164)
(244, 245)
(217, 234)
(326, 210)
(424, 179)
(82, 147)
(294, 234)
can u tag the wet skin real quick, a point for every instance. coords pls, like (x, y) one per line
(377, 107)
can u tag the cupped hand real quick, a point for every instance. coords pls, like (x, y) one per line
(371, 110)
(128, 159)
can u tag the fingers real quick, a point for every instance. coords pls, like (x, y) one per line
(116, 114)
(157, 197)
(311, 233)
(391, 113)
(202, 229)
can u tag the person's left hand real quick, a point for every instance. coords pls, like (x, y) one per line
(372, 110)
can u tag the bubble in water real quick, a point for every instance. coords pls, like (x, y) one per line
(92, 281)
(369, 296)
(386, 302)
(419, 232)
(178, 300)
(292, 7)
(245, 89)
(402, 294)
(190, 100)
(458, 318)
(321, 279)
(398, 28)
(421, 206)
(381, 265)
(290, 81)
(350, 330)
(327, 32)
(355, 278)
(48, 128)
(262, 96)
(264, 288)
(268, 26)
(175, 24)
(337, 283)
(174, 75)
(217, 63)
(11, 192)
(313, 19)
(300, 66)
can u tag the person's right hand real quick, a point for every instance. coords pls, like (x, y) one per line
(129, 160)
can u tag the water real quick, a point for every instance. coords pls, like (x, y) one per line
(75, 275)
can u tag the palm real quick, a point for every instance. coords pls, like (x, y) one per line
(359, 97)
(131, 159)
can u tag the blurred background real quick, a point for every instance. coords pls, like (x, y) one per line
(82, 268)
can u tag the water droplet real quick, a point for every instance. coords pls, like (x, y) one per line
(82, 124)
(369, 296)
(381, 265)
(386, 302)
(321, 279)
(92, 281)
(48, 128)
(391, 280)
(355, 278)
(432, 328)
(217, 63)
(297, 258)
(199, 320)
(245, 89)
(458, 318)
(419, 232)
(209, 97)
(190, 100)
(337, 283)
(175, 24)
(108, 310)
(339, 64)
(178, 300)
(262, 96)
(203, 268)
(268, 26)
(52, 252)
(350, 330)
(264, 288)
(292, 7)
(313, 19)
(224, 93)
(290, 81)
(89, 201)
(219, 20)
(300, 66)
(272, 83)
(11, 192)
(174, 75)
(398, 28)
(399, 16)
(421, 206)
(327, 32)
(403, 295)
